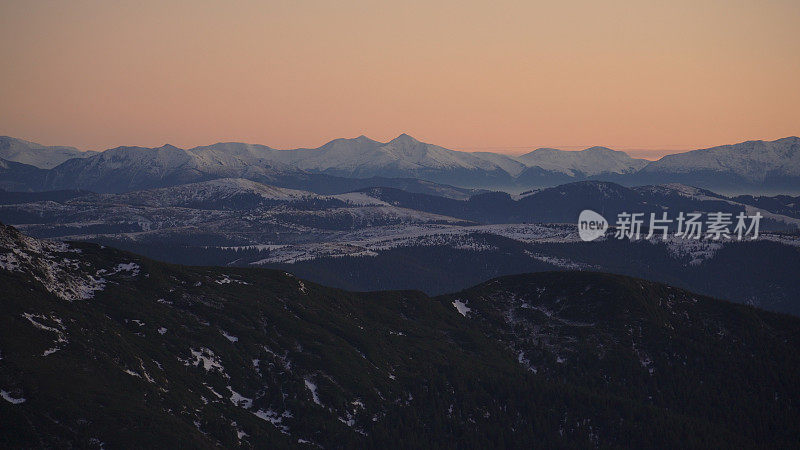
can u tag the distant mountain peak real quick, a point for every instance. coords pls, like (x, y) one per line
(601, 149)
(588, 162)
(360, 140)
(405, 139)
(543, 150)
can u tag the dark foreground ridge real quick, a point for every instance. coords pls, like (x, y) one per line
(105, 348)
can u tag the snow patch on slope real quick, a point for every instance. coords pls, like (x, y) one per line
(461, 307)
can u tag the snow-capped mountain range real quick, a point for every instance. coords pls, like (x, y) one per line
(748, 167)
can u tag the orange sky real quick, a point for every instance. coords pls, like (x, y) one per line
(507, 76)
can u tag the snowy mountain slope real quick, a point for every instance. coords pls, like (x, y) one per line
(402, 157)
(364, 157)
(510, 164)
(752, 161)
(235, 156)
(230, 211)
(128, 168)
(219, 190)
(37, 155)
(589, 162)
(125, 169)
(681, 190)
(270, 201)
(360, 157)
(405, 156)
(342, 154)
(54, 264)
(707, 200)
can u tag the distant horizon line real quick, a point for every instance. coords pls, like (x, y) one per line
(640, 152)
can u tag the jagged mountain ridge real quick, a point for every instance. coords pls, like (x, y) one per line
(155, 353)
(753, 166)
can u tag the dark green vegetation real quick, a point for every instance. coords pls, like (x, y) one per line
(563, 203)
(13, 198)
(780, 204)
(762, 273)
(109, 347)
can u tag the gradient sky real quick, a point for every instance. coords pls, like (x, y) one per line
(501, 76)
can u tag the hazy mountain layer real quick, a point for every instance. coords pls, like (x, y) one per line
(751, 167)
